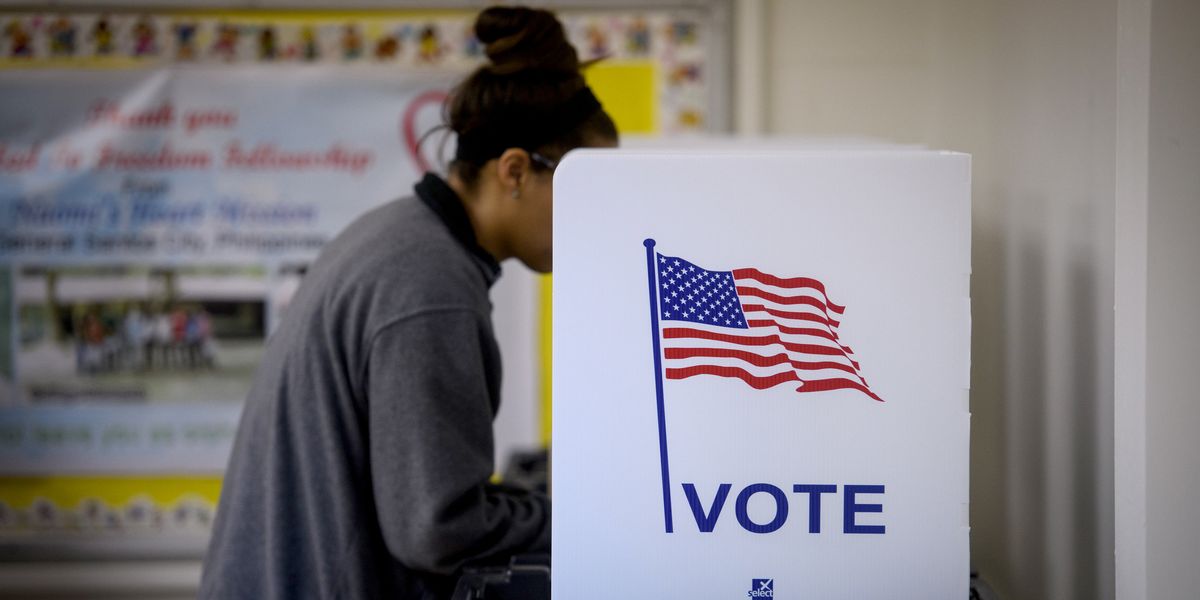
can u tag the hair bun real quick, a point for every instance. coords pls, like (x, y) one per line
(518, 38)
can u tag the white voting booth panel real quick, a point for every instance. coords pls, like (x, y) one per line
(761, 367)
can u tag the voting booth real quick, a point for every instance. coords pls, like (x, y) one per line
(761, 372)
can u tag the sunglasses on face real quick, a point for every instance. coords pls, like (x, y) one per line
(548, 164)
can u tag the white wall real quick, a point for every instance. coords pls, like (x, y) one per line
(1056, 145)
(1172, 405)
(1028, 88)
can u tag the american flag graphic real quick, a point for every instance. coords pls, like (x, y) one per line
(745, 324)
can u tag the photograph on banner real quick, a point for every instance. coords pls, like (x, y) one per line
(139, 333)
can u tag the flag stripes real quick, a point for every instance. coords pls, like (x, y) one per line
(786, 333)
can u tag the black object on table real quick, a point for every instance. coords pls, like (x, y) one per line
(527, 577)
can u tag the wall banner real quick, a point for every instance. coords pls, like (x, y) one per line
(153, 225)
(165, 177)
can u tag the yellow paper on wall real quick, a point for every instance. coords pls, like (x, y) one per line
(68, 491)
(627, 91)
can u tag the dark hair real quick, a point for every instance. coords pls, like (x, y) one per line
(530, 94)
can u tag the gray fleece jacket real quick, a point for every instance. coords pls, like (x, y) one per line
(361, 464)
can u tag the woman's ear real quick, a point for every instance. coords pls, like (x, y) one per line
(513, 167)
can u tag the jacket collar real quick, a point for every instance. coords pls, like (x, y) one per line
(445, 203)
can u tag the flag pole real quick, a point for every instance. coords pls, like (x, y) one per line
(658, 384)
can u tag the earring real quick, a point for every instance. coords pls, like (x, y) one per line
(516, 194)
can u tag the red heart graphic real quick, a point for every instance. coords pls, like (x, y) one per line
(408, 125)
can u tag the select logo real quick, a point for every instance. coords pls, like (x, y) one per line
(762, 588)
